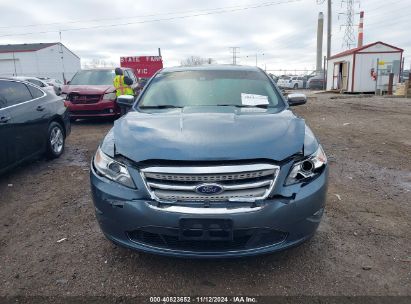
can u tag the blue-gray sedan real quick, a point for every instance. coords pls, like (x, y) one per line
(209, 162)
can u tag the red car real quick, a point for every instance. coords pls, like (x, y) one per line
(91, 93)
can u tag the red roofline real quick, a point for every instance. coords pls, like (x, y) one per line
(358, 49)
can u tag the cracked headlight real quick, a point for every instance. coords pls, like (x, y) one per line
(112, 169)
(307, 168)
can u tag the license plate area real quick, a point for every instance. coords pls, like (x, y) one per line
(206, 229)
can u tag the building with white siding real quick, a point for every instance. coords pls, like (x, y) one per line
(52, 60)
(356, 70)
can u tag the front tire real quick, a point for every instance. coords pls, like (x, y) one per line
(55, 140)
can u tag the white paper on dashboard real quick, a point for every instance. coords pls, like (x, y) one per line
(253, 99)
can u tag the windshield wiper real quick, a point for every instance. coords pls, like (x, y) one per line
(263, 106)
(159, 107)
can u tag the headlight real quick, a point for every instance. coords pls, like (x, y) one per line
(112, 169)
(307, 168)
(110, 96)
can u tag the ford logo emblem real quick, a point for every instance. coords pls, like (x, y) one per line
(209, 189)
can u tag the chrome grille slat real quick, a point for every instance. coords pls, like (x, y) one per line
(192, 196)
(242, 182)
(209, 177)
(164, 186)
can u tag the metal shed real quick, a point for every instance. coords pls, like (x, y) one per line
(357, 71)
(52, 60)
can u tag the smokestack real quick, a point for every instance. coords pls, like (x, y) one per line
(361, 30)
(320, 42)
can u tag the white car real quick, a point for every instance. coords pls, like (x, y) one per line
(38, 82)
(57, 84)
(291, 82)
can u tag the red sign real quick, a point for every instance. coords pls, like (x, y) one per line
(143, 66)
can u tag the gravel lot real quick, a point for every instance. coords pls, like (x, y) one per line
(363, 246)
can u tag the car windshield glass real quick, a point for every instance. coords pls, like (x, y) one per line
(211, 88)
(102, 77)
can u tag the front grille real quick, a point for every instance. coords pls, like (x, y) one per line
(83, 98)
(242, 182)
(242, 239)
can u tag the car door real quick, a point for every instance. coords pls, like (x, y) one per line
(5, 131)
(28, 119)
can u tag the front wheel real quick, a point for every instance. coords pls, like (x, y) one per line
(55, 140)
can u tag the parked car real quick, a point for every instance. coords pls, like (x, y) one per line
(57, 84)
(274, 77)
(91, 93)
(38, 82)
(291, 82)
(33, 121)
(209, 162)
(316, 83)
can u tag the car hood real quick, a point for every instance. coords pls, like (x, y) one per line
(88, 89)
(193, 134)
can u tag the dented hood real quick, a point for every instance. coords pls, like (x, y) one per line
(219, 133)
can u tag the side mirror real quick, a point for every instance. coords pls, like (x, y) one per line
(296, 99)
(125, 101)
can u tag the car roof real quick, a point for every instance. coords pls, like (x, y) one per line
(105, 69)
(18, 78)
(212, 67)
(21, 79)
(25, 77)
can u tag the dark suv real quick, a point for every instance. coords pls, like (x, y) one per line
(32, 122)
(91, 93)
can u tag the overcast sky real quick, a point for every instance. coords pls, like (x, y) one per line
(283, 30)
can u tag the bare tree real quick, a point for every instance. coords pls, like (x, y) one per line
(98, 63)
(196, 60)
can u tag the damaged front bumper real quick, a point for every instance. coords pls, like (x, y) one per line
(129, 217)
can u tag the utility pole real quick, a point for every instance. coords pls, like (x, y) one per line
(329, 28)
(14, 62)
(256, 58)
(329, 24)
(62, 59)
(235, 50)
(320, 30)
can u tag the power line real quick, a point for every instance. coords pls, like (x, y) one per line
(131, 17)
(157, 20)
(385, 4)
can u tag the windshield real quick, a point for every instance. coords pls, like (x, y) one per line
(98, 77)
(211, 88)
